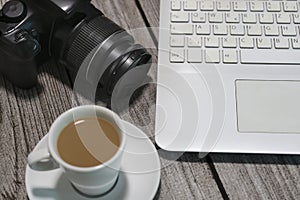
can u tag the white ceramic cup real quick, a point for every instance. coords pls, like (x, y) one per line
(94, 180)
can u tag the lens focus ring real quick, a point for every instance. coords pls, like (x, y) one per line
(88, 37)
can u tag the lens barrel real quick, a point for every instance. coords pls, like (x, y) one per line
(87, 37)
(111, 46)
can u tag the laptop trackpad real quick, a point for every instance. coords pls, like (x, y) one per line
(268, 106)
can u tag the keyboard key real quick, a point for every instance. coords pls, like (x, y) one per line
(232, 17)
(190, 5)
(271, 30)
(212, 56)
(296, 17)
(229, 42)
(177, 41)
(194, 41)
(274, 6)
(179, 17)
(246, 43)
(257, 6)
(283, 18)
(263, 43)
(281, 43)
(198, 17)
(254, 30)
(194, 55)
(177, 55)
(207, 5)
(240, 6)
(266, 18)
(288, 30)
(215, 17)
(289, 6)
(211, 42)
(295, 43)
(175, 5)
(249, 18)
(223, 6)
(237, 29)
(230, 56)
(220, 29)
(182, 29)
(265, 56)
(203, 29)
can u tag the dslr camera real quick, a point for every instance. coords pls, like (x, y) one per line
(68, 31)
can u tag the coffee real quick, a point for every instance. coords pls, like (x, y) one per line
(88, 142)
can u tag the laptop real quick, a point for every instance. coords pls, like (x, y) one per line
(229, 76)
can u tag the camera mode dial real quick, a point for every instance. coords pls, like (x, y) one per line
(14, 11)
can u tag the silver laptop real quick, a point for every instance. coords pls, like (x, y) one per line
(229, 76)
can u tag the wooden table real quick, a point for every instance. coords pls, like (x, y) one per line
(26, 116)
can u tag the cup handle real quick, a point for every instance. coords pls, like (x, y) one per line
(39, 156)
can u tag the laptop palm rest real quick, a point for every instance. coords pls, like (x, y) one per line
(268, 106)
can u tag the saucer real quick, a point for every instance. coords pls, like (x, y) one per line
(139, 177)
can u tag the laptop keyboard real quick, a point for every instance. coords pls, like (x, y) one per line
(231, 32)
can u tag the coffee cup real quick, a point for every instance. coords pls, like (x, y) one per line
(92, 180)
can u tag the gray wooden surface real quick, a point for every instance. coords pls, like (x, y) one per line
(27, 115)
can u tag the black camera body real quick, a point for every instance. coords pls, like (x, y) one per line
(34, 31)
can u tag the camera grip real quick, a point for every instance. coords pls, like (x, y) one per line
(19, 64)
(21, 72)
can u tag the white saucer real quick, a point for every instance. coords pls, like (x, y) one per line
(139, 177)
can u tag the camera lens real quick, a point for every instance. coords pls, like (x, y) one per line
(116, 52)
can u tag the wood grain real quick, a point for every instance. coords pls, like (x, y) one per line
(8, 148)
(259, 176)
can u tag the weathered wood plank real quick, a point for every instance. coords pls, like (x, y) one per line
(249, 176)
(152, 15)
(187, 178)
(8, 148)
(259, 176)
(151, 10)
